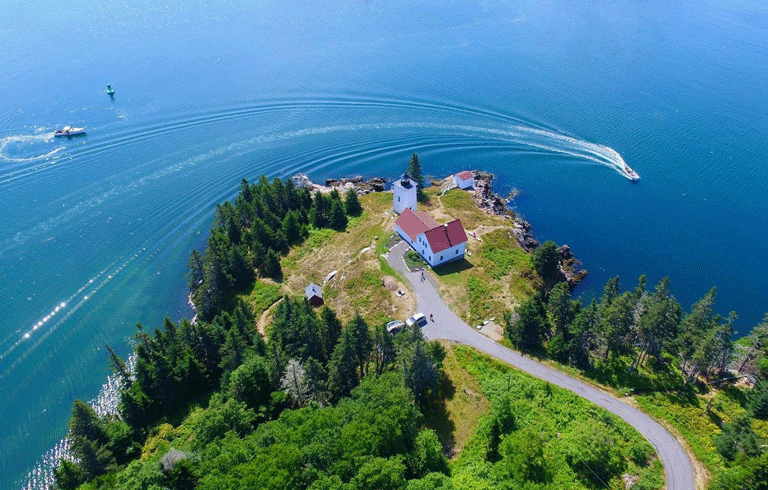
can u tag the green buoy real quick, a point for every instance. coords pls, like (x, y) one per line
(110, 91)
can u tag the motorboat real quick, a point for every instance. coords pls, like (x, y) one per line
(631, 174)
(69, 131)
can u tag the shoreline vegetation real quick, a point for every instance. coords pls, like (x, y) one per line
(263, 390)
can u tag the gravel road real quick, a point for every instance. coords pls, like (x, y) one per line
(446, 325)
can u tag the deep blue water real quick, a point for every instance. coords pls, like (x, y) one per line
(101, 226)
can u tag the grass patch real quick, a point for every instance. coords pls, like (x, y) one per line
(564, 422)
(456, 406)
(462, 206)
(414, 261)
(261, 296)
(355, 255)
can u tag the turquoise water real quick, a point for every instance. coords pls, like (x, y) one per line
(95, 231)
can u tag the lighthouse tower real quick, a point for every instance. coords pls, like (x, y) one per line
(404, 190)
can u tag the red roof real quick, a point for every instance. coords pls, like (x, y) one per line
(446, 236)
(414, 223)
(440, 237)
(455, 232)
(465, 175)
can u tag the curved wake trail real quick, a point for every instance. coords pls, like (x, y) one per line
(548, 141)
(27, 140)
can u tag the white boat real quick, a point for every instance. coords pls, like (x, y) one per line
(631, 174)
(69, 131)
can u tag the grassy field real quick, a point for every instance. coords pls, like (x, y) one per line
(496, 273)
(363, 282)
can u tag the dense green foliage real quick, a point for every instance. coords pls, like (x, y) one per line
(318, 404)
(612, 339)
(541, 436)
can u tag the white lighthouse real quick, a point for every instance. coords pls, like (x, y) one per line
(404, 190)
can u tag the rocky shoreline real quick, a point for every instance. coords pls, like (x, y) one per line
(485, 199)
(491, 202)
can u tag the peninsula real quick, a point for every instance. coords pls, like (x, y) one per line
(290, 378)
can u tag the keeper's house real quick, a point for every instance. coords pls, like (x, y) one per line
(436, 243)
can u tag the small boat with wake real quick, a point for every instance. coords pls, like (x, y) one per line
(630, 174)
(69, 131)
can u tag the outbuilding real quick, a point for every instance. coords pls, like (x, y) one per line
(314, 294)
(464, 180)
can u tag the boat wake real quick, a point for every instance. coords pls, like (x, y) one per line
(26, 148)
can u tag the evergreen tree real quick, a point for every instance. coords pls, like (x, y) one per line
(119, 367)
(343, 366)
(659, 322)
(420, 374)
(362, 342)
(321, 209)
(546, 262)
(352, 203)
(330, 330)
(414, 171)
(272, 265)
(616, 324)
(338, 217)
(526, 327)
(196, 274)
(384, 349)
(291, 228)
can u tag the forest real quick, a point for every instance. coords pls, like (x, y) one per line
(211, 403)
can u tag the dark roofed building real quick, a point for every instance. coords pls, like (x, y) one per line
(314, 294)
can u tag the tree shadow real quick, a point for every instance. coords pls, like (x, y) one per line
(436, 415)
(735, 394)
(453, 267)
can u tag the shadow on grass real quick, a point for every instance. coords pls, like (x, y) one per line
(453, 267)
(735, 394)
(436, 415)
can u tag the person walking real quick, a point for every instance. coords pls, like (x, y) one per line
(422, 276)
(431, 318)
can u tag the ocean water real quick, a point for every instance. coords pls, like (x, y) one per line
(550, 96)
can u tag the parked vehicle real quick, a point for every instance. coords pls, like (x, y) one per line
(395, 326)
(418, 318)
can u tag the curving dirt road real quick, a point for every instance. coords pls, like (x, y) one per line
(446, 325)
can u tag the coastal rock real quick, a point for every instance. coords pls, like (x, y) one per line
(485, 197)
(569, 267)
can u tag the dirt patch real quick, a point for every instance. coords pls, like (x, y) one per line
(492, 330)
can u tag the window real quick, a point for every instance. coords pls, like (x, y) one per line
(398, 198)
(457, 251)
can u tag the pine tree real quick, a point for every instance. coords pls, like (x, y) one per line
(527, 325)
(338, 217)
(362, 342)
(420, 374)
(320, 210)
(330, 330)
(414, 172)
(352, 203)
(272, 265)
